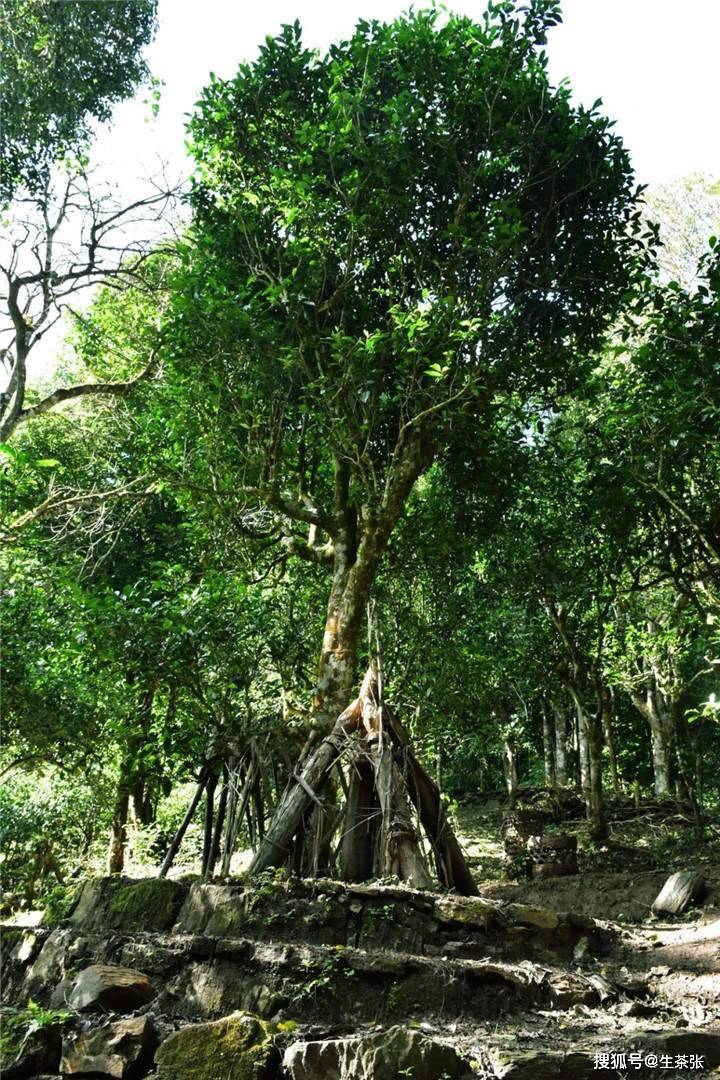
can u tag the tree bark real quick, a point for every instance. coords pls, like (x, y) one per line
(219, 823)
(510, 770)
(209, 810)
(659, 714)
(590, 738)
(583, 751)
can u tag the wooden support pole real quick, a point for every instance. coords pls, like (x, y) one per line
(274, 848)
(177, 839)
(209, 811)
(452, 868)
(219, 822)
(361, 821)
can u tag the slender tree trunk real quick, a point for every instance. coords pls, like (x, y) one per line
(209, 810)
(660, 718)
(548, 748)
(234, 774)
(660, 742)
(583, 751)
(118, 831)
(607, 716)
(688, 760)
(591, 743)
(219, 823)
(510, 770)
(595, 808)
(560, 717)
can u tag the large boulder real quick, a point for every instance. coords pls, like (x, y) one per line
(122, 1049)
(106, 986)
(382, 1055)
(238, 1047)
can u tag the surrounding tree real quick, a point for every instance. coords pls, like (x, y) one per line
(63, 65)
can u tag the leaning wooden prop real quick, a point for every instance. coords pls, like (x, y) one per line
(386, 792)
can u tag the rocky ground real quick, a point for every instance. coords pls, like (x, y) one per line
(564, 978)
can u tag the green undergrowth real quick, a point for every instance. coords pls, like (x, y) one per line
(59, 903)
(17, 1028)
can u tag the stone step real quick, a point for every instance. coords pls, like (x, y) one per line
(378, 917)
(197, 975)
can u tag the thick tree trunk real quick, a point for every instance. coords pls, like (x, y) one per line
(359, 538)
(354, 565)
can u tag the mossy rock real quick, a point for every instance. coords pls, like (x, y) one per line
(152, 904)
(466, 910)
(238, 1047)
(539, 918)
